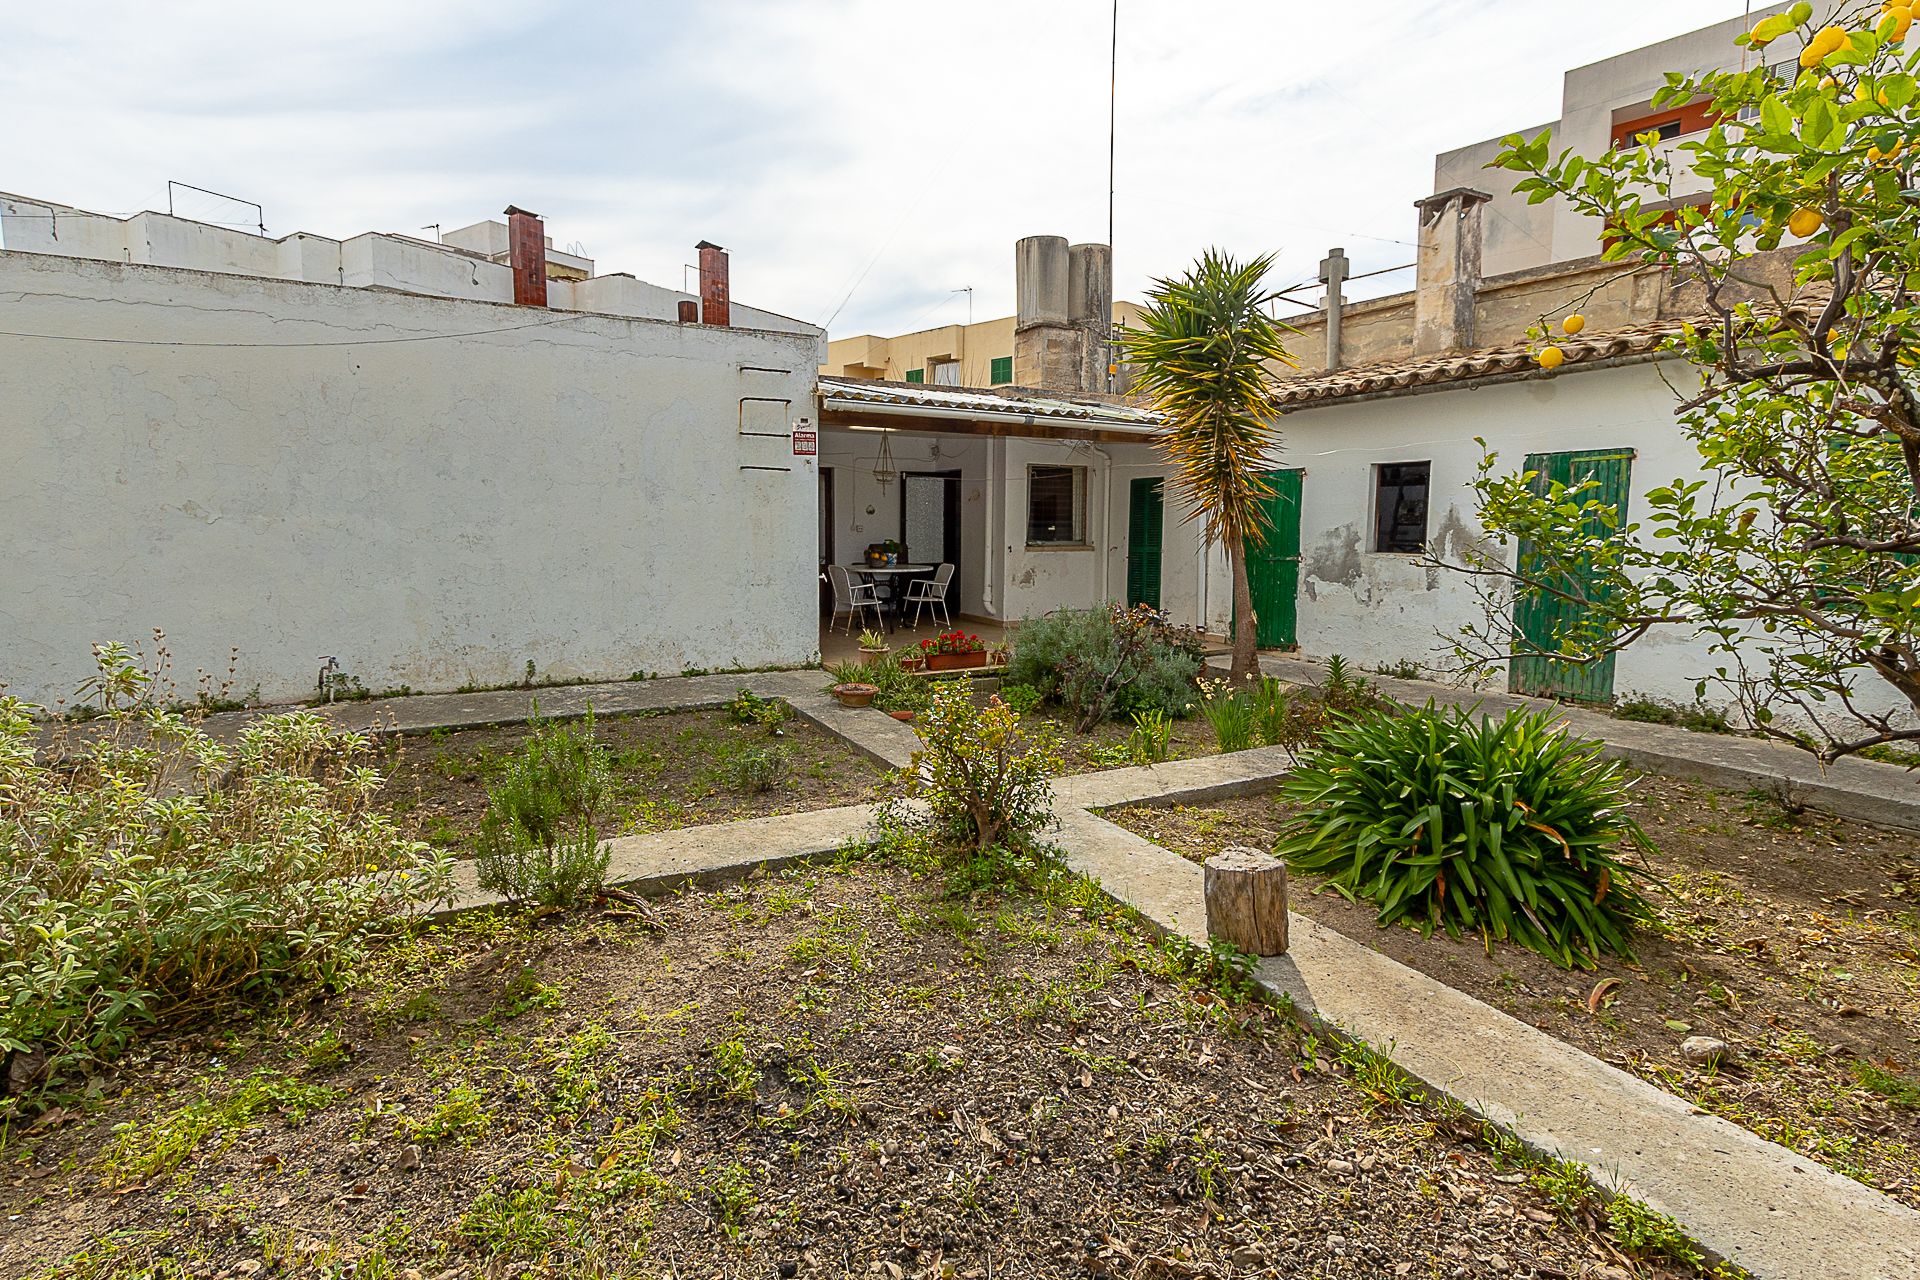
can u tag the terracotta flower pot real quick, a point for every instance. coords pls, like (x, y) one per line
(956, 661)
(912, 662)
(870, 654)
(906, 716)
(855, 695)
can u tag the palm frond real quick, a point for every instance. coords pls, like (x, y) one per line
(1205, 355)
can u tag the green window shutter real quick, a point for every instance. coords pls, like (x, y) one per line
(916, 375)
(1002, 370)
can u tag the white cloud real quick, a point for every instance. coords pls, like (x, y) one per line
(808, 138)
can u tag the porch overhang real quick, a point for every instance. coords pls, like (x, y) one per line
(906, 406)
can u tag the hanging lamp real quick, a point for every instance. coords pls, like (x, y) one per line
(884, 472)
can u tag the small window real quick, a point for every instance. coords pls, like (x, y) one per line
(1056, 506)
(946, 373)
(1001, 370)
(916, 375)
(1400, 506)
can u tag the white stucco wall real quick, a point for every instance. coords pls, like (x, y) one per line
(434, 512)
(1378, 609)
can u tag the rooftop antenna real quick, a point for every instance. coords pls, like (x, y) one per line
(1113, 97)
(435, 228)
(968, 290)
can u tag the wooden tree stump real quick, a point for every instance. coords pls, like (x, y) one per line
(1246, 894)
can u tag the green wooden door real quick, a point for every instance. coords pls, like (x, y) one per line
(1273, 567)
(1146, 517)
(1541, 619)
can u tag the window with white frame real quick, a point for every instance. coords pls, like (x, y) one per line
(1056, 506)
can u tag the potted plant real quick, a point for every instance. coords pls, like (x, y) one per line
(998, 654)
(873, 645)
(913, 659)
(953, 651)
(855, 694)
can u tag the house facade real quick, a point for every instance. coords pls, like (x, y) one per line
(435, 467)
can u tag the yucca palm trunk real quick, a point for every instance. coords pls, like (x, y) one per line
(1205, 357)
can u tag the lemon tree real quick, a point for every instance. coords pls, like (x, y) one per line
(1796, 558)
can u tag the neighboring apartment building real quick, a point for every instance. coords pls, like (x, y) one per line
(979, 354)
(1605, 103)
(438, 462)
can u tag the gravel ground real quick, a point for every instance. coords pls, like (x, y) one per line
(834, 1073)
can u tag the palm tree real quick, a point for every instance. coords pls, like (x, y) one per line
(1204, 354)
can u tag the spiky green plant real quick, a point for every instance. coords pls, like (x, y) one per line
(1205, 355)
(1510, 828)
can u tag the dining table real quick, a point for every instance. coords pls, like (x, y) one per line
(892, 580)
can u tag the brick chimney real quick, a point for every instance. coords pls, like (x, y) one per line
(1446, 274)
(713, 284)
(527, 251)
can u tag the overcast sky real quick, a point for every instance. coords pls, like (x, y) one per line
(862, 159)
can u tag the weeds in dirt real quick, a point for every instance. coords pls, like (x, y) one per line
(143, 1151)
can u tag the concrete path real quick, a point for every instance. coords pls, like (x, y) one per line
(1853, 788)
(1769, 1209)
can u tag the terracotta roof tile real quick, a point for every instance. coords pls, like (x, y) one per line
(1388, 377)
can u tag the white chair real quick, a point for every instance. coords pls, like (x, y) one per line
(931, 591)
(851, 598)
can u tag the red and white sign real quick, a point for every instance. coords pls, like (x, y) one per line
(806, 442)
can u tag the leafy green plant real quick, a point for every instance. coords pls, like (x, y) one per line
(1103, 663)
(148, 872)
(1791, 554)
(143, 1151)
(537, 843)
(1270, 707)
(900, 690)
(1152, 737)
(760, 769)
(1298, 722)
(982, 780)
(1508, 828)
(1024, 699)
(749, 707)
(1231, 713)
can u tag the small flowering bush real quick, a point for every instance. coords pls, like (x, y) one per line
(954, 642)
(148, 872)
(1107, 663)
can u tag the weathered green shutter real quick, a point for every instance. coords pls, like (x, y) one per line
(1001, 370)
(1146, 516)
(1542, 620)
(916, 375)
(1273, 567)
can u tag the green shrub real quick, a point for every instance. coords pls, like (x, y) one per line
(537, 843)
(899, 690)
(1300, 721)
(1507, 828)
(1105, 663)
(760, 769)
(148, 873)
(749, 707)
(1230, 712)
(1023, 699)
(983, 782)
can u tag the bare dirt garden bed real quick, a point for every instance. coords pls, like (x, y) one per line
(1794, 938)
(671, 769)
(836, 1072)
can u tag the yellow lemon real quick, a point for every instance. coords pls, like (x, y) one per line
(1551, 357)
(1827, 39)
(1809, 56)
(1574, 323)
(1874, 155)
(1805, 222)
(1903, 18)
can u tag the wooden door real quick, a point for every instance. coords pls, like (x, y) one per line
(1273, 567)
(1146, 520)
(1542, 620)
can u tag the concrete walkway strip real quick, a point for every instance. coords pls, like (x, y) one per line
(1864, 790)
(1748, 1200)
